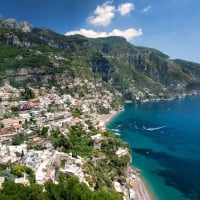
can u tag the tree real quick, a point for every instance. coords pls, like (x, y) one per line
(36, 192)
(76, 111)
(16, 191)
(28, 94)
(68, 188)
(18, 140)
(44, 131)
(9, 188)
(18, 170)
(52, 191)
(14, 109)
(30, 173)
(1, 125)
(22, 154)
(102, 195)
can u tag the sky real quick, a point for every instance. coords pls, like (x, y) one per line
(171, 26)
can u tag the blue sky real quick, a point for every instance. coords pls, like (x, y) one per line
(171, 26)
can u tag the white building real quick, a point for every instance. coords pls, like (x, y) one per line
(121, 152)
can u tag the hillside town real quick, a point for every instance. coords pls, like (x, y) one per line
(26, 140)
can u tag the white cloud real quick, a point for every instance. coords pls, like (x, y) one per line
(129, 34)
(125, 8)
(147, 9)
(88, 33)
(103, 14)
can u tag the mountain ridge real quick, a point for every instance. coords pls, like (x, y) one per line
(38, 56)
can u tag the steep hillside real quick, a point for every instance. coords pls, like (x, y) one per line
(41, 57)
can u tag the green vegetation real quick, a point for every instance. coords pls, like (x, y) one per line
(19, 170)
(7, 115)
(15, 191)
(76, 111)
(115, 166)
(102, 110)
(15, 110)
(52, 59)
(43, 132)
(193, 86)
(18, 140)
(27, 94)
(1, 125)
(16, 170)
(3, 166)
(88, 69)
(68, 189)
(76, 141)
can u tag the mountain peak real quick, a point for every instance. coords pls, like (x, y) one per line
(135, 72)
(12, 23)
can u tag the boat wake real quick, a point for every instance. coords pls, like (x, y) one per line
(118, 134)
(155, 128)
(115, 129)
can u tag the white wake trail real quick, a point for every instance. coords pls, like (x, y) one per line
(155, 128)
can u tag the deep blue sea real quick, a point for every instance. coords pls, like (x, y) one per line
(164, 138)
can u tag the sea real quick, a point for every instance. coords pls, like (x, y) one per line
(164, 138)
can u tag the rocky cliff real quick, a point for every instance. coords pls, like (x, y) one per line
(40, 56)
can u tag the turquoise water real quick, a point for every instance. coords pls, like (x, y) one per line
(164, 138)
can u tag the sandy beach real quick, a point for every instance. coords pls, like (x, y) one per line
(133, 177)
(136, 183)
(105, 118)
(142, 191)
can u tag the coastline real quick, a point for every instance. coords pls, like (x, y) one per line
(139, 185)
(177, 96)
(105, 118)
(133, 176)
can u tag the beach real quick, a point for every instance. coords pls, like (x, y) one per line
(133, 176)
(105, 118)
(138, 185)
